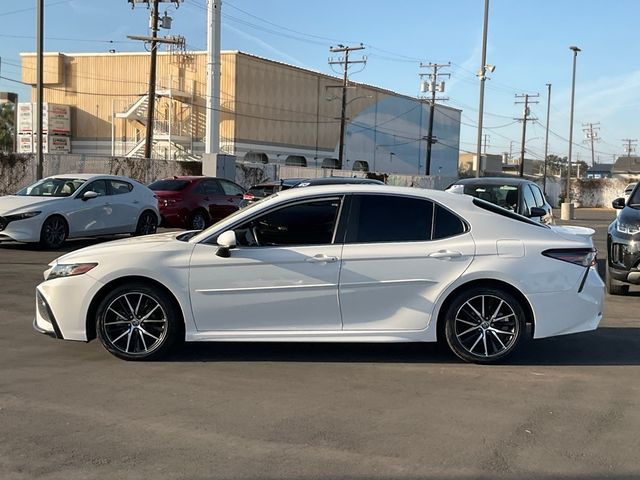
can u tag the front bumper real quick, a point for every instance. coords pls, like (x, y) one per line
(62, 305)
(623, 253)
(27, 230)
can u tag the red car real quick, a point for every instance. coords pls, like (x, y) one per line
(196, 202)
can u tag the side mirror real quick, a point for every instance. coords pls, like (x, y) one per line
(89, 195)
(226, 241)
(537, 212)
(618, 203)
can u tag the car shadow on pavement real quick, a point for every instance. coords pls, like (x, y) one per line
(605, 346)
(69, 245)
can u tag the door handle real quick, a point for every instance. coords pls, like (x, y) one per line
(321, 258)
(136, 201)
(445, 254)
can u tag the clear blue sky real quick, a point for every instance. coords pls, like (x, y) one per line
(528, 43)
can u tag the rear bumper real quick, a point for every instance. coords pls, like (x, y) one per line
(174, 219)
(561, 313)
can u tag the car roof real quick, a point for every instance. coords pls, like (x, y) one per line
(341, 181)
(91, 176)
(492, 181)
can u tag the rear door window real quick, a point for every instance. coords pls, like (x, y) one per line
(231, 188)
(388, 218)
(118, 187)
(537, 194)
(529, 200)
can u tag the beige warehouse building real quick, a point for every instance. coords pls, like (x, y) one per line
(269, 112)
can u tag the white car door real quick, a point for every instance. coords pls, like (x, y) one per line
(282, 275)
(93, 216)
(399, 254)
(126, 205)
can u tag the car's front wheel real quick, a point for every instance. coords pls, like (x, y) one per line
(54, 232)
(484, 325)
(138, 322)
(147, 224)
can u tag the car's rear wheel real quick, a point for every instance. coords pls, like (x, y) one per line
(199, 220)
(614, 287)
(54, 232)
(147, 224)
(138, 322)
(484, 325)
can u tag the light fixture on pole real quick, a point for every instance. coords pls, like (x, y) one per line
(567, 208)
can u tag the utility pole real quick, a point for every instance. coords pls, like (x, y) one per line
(546, 140)
(629, 145)
(525, 118)
(486, 142)
(431, 85)
(567, 196)
(345, 62)
(39, 87)
(482, 74)
(212, 134)
(591, 135)
(154, 41)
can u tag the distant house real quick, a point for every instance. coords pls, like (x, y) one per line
(629, 165)
(600, 170)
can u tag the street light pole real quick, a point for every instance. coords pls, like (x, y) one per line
(573, 91)
(482, 75)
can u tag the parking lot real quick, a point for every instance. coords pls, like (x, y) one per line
(566, 407)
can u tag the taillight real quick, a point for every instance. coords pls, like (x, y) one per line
(585, 257)
(248, 196)
(167, 202)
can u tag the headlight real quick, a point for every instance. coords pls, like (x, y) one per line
(70, 270)
(627, 228)
(21, 216)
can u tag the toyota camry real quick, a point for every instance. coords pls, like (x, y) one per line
(342, 263)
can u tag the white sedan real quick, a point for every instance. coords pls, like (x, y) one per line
(77, 205)
(345, 263)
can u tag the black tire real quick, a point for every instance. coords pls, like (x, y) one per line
(199, 220)
(147, 224)
(54, 232)
(136, 321)
(614, 287)
(500, 325)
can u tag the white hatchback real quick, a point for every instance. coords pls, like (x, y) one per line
(345, 263)
(77, 205)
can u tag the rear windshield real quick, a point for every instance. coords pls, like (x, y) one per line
(172, 185)
(262, 191)
(505, 196)
(505, 213)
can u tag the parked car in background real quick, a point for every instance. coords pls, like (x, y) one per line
(262, 190)
(196, 202)
(623, 245)
(77, 205)
(338, 263)
(515, 194)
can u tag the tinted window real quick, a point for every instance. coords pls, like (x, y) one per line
(537, 194)
(209, 187)
(446, 224)
(386, 218)
(529, 200)
(98, 186)
(305, 223)
(119, 187)
(170, 185)
(504, 195)
(231, 188)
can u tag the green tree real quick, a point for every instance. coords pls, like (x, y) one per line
(7, 126)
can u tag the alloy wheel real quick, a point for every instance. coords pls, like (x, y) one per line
(486, 326)
(135, 324)
(54, 232)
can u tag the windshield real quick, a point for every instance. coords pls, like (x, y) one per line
(634, 199)
(171, 185)
(52, 187)
(506, 196)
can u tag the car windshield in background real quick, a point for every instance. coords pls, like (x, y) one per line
(634, 199)
(52, 187)
(505, 196)
(171, 185)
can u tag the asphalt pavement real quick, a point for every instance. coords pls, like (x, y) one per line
(566, 407)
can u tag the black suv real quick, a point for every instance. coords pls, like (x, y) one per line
(623, 245)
